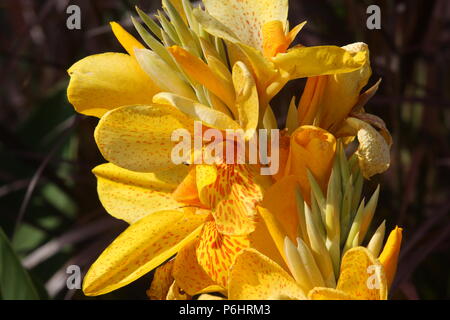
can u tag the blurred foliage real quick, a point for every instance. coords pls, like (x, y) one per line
(49, 209)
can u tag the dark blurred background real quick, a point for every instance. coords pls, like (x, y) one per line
(49, 209)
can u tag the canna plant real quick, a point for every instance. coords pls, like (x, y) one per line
(194, 223)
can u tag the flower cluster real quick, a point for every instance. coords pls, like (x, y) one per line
(221, 229)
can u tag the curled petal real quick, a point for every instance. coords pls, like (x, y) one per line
(312, 149)
(373, 151)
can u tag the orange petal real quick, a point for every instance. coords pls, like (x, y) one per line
(216, 252)
(233, 198)
(274, 38)
(389, 255)
(312, 148)
(280, 200)
(200, 72)
(128, 42)
(187, 192)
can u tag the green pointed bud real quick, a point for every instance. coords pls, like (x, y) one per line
(368, 213)
(193, 24)
(162, 74)
(168, 42)
(296, 266)
(317, 191)
(318, 216)
(154, 44)
(376, 243)
(220, 47)
(319, 250)
(332, 219)
(343, 165)
(180, 28)
(357, 191)
(301, 229)
(309, 264)
(152, 25)
(168, 27)
(346, 210)
(354, 228)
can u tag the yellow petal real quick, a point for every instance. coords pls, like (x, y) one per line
(373, 150)
(311, 100)
(189, 275)
(279, 199)
(276, 230)
(274, 38)
(130, 195)
(292, 117)
(389, 255)
(216, 252)
(200, 72)
(103, 82)
(197, 111)
(312, 149)
(246, 17)
(205, 175)
(362, 276)
(256, 277)
(304, 62)
(345, 88)
(162, 281)
(246, 99)
(187, 192)
(138, 138)
(267, 77)
(320, 293)
(262, 241)
(128, 42)
(143, 246)
(292, 34)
